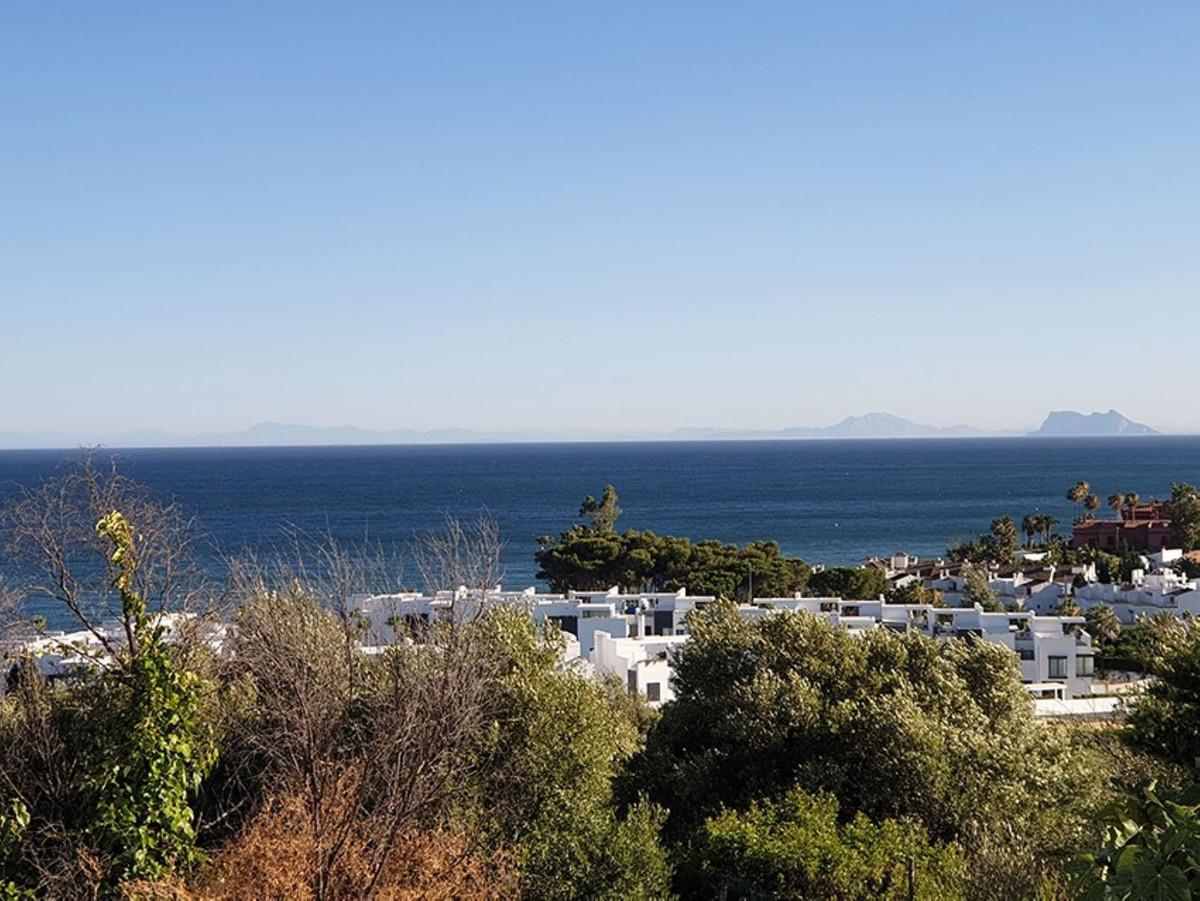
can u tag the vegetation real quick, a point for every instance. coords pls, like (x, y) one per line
(795, 848)
(593, 556)
(1000, 543)
(852, 583)
(978, 590)
(893, 726)
(467, 761)
(1104, 626)
(915, 593)
(1151, 848)
(157, 747)
(1166, 718)
(1079, 494)
(1184, 511)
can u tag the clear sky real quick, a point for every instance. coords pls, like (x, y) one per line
(626, 216)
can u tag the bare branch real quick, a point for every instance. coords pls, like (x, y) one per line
(50, 533)
(462, 554)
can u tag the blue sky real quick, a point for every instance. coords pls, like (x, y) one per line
(625, 216)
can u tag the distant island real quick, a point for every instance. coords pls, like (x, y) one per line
(1060, 423)
(1069, 424)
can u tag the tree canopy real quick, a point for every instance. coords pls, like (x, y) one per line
(593, 556)
(1184, 510)
(853, 583)
(797, 848)
(893, 725)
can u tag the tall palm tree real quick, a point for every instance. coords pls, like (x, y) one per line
(1048, 523)
(1030, 525)
(1093, 504)
(1078, 492)
(1132, 499)
(1116, 501)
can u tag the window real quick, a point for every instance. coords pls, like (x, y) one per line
(1026, 653)
(1085, 665)
(1057, 667)
(652, 692)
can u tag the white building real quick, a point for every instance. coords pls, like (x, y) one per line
(1147, 594)
(642, 664)
(634, 636)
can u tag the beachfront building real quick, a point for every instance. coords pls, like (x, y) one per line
(1146, 594)
(634, 637)
(578, 613)
(1145, 527)
(1028, 584)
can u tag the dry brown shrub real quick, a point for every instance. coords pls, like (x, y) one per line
(276, 857)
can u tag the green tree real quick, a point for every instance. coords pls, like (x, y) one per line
(1165, 718)
(915, 593)
(1092, 503)
(547, 779)
(1103, 625)
(978, 590)
(1184, 511)
(1151, 848)
(1068, 607)
(1116, 502)
(589, 558)
(1048, 523)
(159, 746)
(1108, 566)
(1030, 527)
(796, 848)
(852, 583)
(1004, 530)
(1078, 493)
(603, 513)
(894, 725)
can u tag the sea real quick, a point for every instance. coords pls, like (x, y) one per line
(833, 502)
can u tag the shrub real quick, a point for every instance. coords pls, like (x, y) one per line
(795, 848)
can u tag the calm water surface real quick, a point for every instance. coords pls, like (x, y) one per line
(826, 501)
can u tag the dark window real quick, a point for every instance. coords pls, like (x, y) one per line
(652, 692)
(1057, 667)
(1026, 653)
(1085, 665)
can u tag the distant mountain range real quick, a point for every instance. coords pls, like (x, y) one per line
(870, 425)
(1062, 423)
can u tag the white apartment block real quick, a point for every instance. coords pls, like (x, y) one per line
(1148, 593)
(634, 636)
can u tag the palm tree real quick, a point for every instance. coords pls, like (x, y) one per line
(1048, 523)
(1068, 607)
(1078, 492)
(1030, 525)
(1116, 501)
(1093, 504)
(1103, 625)
(1132, 499)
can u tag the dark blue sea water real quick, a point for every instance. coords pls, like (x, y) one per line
(833, 502)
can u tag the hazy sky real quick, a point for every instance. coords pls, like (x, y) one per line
(636, 216)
